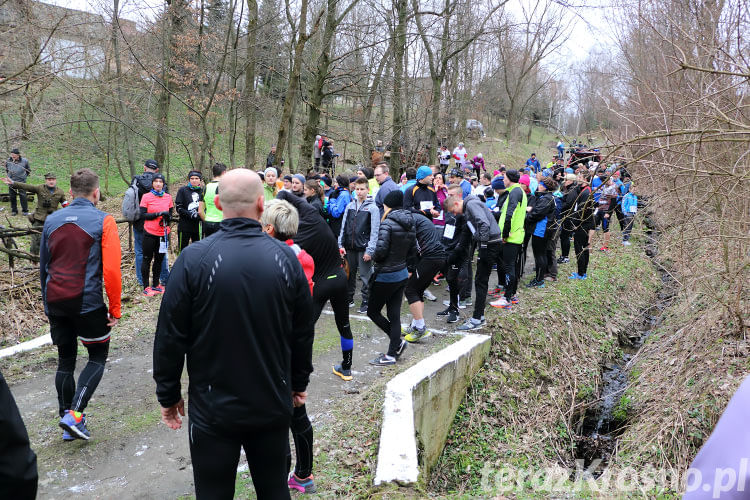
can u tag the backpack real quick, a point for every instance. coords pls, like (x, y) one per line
(131, 209)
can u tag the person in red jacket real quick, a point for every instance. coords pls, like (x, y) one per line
(80, 252)
(156, 210)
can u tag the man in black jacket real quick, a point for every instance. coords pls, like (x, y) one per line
(189, 204)
(421, 197)
(239, 307)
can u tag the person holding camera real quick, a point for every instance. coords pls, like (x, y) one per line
(156, 211)
(49, 197)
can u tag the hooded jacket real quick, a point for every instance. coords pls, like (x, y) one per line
(541, 216)
(396, 242)
(485, 230)
(246, 351)
(359, 226)
(429, 245)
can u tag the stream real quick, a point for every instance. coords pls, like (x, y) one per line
(605, 421)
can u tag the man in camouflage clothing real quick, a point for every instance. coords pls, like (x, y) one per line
(49, 196)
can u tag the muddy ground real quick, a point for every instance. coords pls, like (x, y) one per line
(131, 454)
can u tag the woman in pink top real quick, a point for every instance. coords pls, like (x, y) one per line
(442, 193)
(156, 210)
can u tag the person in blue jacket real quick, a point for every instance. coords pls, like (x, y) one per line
(541, 219)
(629, 209)
(337, 203)
(533, 163)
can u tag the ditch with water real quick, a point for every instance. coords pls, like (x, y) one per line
(605, 421)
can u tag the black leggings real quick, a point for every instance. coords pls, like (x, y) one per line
(302, 433)
(510, 255)
(68, 397)
(421, 278)
(565, 242)
(331, 286)
(151, 252)
(389, 295)
(186, 237)
(215, 462)
(539, 247)
(581, 242)
(485, 260)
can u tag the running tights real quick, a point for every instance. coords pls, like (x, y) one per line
(68, 396)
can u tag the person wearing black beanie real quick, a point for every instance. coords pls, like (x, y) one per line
(395, 247)
(190, 208)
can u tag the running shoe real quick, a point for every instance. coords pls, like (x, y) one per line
(582, 276)
(429, 296)
(149, 292)
(406, 331)
(302, 485)
(344, 374)
(351, 303)
(75, 423)
(574, 276)
(466, 303)
(502, 303)
(514, 300)
(445, 312)
(67, 437)
(401, 349)
(157, 290)
(604, 249)
(461, 304)
(470, 324)
(563, 260)
(452, 316)
(363, 308)
(418, 334)
(383, 360)
(535, 284)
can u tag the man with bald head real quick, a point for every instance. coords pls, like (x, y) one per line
(238, 306)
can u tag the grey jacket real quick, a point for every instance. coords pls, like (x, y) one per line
(485, 229)
(19, 170)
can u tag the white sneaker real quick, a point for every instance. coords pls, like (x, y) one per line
(461, 304)
(429, 296)
(502, 303)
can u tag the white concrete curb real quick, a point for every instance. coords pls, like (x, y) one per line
(26, 346)
(397, 454)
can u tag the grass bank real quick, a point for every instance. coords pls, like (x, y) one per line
(526, 406)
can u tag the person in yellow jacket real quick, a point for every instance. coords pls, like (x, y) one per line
(512, 217)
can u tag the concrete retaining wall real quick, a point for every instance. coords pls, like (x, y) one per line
(419, 408)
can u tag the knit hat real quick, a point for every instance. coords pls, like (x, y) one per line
(272, 170)
(513, 175)
(299, 177)
(394, 199)
(288, 177)
(525, 180)
(569, 170)
(15, 151)
(327, 181)
(495, 172)
(194, 173)
(498, 183)
(158, 176)
(570, 177)
(423, 171)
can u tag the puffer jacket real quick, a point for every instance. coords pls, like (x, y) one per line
(429, 245)
(396, 242)
(542, 214)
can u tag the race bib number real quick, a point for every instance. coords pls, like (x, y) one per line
(162, 246)
(450, 231)
(425, 205)
(633, 209)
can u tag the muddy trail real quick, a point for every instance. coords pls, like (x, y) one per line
(131, 454)
(605, 421)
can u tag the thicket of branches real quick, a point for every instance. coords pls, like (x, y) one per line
(198, 77)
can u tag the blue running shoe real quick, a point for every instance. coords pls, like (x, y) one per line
(582, 277)
(574, 276)
(75, 423)
(67, 436)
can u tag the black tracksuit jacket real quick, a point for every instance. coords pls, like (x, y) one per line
(238, 306)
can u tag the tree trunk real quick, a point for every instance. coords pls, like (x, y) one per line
(248, 91)
(120, 101)
(399, 48)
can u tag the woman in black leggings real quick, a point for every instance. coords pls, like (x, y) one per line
(540, 220)
(156, 210)
(396, 244)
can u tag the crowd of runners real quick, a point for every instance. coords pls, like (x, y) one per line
(262, 253)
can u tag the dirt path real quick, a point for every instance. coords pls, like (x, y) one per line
(131, 455)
